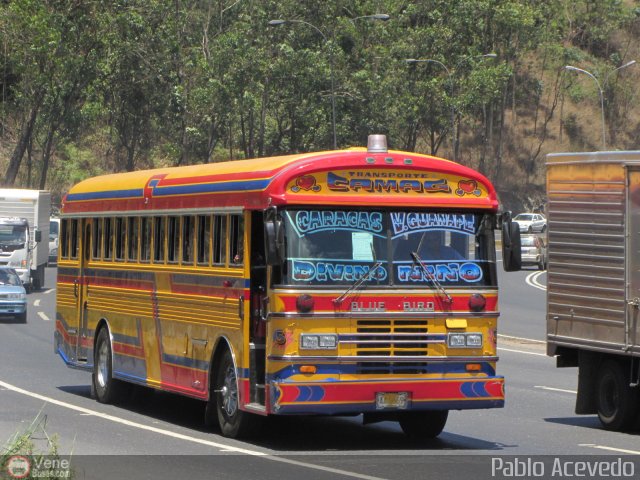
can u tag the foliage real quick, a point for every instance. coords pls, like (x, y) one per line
(40, 450)
(104, 86)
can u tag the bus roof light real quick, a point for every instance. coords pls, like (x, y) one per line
(377, 144)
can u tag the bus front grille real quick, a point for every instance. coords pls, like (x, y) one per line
(392, 338)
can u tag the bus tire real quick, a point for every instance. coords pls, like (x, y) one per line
(107, 389)
(234, 423)
(617, 402)
(423, 425)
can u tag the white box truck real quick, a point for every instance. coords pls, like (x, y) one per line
(24, 233)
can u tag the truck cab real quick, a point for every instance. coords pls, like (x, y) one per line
(15, 246)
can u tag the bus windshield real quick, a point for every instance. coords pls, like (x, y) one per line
(338, 247)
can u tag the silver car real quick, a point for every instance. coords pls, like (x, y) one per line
(534, 250)
(531, 222)
(13, 296)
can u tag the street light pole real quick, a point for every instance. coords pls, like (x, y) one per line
(601, 91)
(453, 113)
(377, 16)
(451, 86)
(576, 69)
(274, 23)
(628, 64)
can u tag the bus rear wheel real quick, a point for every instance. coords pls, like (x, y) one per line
(617, 402)
(234, 423)
(423, 425)
(107, 388)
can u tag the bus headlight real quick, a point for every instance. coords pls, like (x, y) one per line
(316, 342)
(456, 340)
(474, 340)
(464, 340)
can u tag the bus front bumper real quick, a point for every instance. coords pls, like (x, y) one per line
(352, 397)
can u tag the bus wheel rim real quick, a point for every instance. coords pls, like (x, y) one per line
(103, 369)
(230, 392)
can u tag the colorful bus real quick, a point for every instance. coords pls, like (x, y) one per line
(360, 281)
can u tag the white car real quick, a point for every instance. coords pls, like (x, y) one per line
(531, 222)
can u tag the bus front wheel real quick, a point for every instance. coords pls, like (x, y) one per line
(423, 425)
(234, 423)
(107, 388)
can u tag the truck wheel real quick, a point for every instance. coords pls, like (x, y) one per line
(35, 280)
(234, 423)
(107, 388)
(423, 425)
(617, 402)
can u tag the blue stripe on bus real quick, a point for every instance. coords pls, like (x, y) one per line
(211, 187)
(173, 190)
(76, 197)
(185, 362)
(397, 369)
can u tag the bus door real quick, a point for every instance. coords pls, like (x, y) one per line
(81, 292)
(257, 324)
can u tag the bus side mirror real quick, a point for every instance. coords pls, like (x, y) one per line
(511, 245)
(274, 240)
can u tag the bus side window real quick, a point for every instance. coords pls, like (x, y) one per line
(64, 238)
(158, 240)
(121, 238)
(96, 239)
(132, 240)
(219, 239)
(204, 239)
(236, 239)
(187, 240)
(108, 239)
(173, 239)
(73, 240)
(145, 239)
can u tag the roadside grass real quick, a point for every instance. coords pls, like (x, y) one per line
(34, 447)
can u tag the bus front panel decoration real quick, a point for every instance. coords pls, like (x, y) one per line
(346, 282)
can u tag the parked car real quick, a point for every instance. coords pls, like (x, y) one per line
(13, 296)
(534, 250)
(531, 222)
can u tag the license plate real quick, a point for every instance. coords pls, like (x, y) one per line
(395, 400)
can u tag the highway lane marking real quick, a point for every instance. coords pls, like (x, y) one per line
(520, 339)
(522, 351)
(220, 446)
(553, 389)
(36, 303)
(43, 317)
(49, 291)
(611, 449)
(532, 280)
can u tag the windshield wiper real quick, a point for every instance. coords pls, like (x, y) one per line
(417, 260)
(358, 283)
